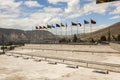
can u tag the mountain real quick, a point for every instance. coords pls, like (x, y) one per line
(35, 36)
(40, 36)
(111, 31)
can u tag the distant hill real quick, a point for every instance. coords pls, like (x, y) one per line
(113, 31)
(35, 36)
(38, 36)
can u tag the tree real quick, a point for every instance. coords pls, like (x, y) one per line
(114, 37)
(103, 38)
(62, 40)
(92, 40)
(118, 37)
(109, 34)
(75, 38)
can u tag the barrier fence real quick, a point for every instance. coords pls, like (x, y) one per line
(73, 50)
(70, 61)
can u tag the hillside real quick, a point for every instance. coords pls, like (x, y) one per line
(38, 36)
(113, 31)
(35, 36)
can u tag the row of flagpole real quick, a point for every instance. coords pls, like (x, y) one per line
(65, 25)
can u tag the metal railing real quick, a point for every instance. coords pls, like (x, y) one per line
(78, 62)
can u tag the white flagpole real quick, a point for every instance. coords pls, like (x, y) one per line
(84, 28)
(91, 30)
(61, 31)
(77, 29)
(56, 35)
(66, 31)
(71, 30)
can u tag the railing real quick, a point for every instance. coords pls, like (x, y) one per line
(78, 62)
(72, 50)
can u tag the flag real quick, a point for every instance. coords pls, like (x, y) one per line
(62, 24)
(44, 27)
(74, 24)
(79, 24)
(36, 27)
(49, 26)
(53, 26)
(86, 22)
(93, 22)
(57, 25)
(100, 1)
(40, 27)
(103, 1)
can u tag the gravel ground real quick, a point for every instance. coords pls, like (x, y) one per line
(12, 68)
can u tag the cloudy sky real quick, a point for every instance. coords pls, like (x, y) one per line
(26, 14)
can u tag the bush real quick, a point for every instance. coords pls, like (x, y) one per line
(5, 47)
(118, 37)
(114, 37)
(75, 38)
(62, 40)
(11, 48)
(103, 38)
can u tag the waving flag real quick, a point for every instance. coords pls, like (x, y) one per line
(40, 27)
(103, 1)
(86, 22)
(62, 25)
(49, 26)
(57, 25)
(53, 26)
(74, 24)
(79, 24)
(36, 27)
(44, 27)
(93, 22)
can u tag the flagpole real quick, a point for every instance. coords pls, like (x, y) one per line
(91, 30)
(84, 29)
(56, 35)
(61, 31)
(66, 31)
(77, 27)
(32, 33)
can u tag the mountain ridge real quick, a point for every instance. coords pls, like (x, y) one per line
(33, 36)
(112, 30)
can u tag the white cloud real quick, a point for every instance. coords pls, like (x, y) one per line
(96, 8)
(32, 4)
(72, 10)
(9, 10)
(73, 6)
(10, 6)
(57, 1)
(116, 11)
(48, 15)
(52, 10)
(115, 17)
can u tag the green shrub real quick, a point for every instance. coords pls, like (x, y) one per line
(5, 47)
(11, 48)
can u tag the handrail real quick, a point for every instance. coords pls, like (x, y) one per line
(70, 59)
(72, 50)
